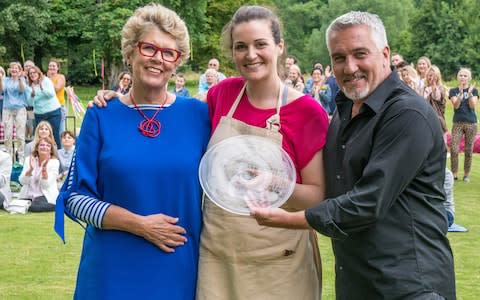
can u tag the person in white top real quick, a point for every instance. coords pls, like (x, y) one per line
(39, 176)
(5, 172)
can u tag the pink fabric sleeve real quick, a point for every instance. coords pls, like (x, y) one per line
(305, 125)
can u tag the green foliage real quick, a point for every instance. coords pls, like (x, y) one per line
(438, 33)
(305, 24)
(24, 26)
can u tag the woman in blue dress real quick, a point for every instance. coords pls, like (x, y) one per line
(133, 179)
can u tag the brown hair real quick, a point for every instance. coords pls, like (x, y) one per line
(40, 78)
(249, 13)
(68, 132)
(53, 149)
(57, 62)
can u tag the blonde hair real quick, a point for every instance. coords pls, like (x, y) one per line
(36, 137)
(412, 73)
(212, 72)
(437, 73)
(154, 15)
(427, 61)
(14, 63)
(296, 68)
(466, 70)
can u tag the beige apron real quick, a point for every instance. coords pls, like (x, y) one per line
(240, 259)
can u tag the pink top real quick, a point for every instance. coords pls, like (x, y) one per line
(304, 122)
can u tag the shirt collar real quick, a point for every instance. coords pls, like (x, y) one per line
(376, 99)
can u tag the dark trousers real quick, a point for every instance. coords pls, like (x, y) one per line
(40, 204)
(54, 118)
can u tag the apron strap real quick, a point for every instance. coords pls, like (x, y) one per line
(272, 123)
(235, 104)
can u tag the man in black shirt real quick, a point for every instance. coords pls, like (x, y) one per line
(384, 168)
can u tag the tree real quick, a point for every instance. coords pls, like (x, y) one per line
(471, 42)
(306, 22)
(24, 28)
(440, 34)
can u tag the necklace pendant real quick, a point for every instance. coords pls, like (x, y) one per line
(150, 128)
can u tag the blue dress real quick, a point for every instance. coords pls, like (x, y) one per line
(116, 164)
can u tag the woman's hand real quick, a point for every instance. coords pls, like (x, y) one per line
(30, 166)
(102, 97)
(162, 231)
(470, 89)
(43, 167)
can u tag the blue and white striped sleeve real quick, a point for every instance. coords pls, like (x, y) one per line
(88, 209)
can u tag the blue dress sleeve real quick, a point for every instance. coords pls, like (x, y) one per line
(79, 196)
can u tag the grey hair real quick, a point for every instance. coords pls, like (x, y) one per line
(355, 18)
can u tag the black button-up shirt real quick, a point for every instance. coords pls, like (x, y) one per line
(384, 209)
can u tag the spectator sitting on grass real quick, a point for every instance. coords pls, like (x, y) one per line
(43, 129)
(66, 153)
(39, 176)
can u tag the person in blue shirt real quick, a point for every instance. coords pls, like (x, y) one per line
(319, 89)
(180, 89)
(202, 82)
(42, 96)
(14, 111)
(2, 74)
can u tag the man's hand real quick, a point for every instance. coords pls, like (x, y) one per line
(277, 217)
(102, 97)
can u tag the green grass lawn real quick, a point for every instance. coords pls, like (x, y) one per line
(35, 264)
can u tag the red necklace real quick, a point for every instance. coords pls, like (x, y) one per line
(149, 127)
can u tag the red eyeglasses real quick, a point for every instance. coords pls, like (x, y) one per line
(150, 50)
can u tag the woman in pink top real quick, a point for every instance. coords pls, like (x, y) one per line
(240, 259)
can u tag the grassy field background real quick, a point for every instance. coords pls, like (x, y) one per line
(35, 264)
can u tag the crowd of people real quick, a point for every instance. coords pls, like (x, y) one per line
(29, 98)
(366, 136)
